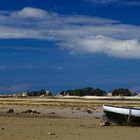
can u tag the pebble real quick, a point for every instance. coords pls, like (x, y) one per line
(51, 133)
(104, 124)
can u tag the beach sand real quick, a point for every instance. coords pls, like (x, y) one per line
(59, 123)
(18, 128)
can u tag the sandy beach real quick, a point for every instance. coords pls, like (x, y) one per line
(59, 123)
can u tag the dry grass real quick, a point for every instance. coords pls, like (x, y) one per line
(66, 102)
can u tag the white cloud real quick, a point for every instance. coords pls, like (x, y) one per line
(29, 12)
(17, 67)
(106, 45)
(77, 33)
(14, 88)
(59, 68)
(103, 1)
(26, 48)
(24, 67)
(116, 2)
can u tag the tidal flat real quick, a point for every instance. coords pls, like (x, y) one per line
(59, 119)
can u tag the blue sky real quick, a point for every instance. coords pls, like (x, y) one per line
(68, 44)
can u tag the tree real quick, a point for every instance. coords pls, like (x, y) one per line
(48, 93)
(99, 92)
(62, 93)
(121, 92)
(89, 91)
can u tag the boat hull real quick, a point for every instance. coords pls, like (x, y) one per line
(121, 115)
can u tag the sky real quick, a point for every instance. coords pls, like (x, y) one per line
(68, 44)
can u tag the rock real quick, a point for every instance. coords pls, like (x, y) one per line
(78, 108)
(2, 128)
(51, 133)
(31, 111)
(105, 124)
(35, 112)
(89, 111)
(52, 113)
(10, 111)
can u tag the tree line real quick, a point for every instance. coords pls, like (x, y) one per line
(88, 91)
(39, 93)
(96, 92)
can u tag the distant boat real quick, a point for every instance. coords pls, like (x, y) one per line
(122, 115)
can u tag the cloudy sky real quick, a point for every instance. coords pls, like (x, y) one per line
(66, 44)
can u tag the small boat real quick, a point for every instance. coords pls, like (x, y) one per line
(122, 115)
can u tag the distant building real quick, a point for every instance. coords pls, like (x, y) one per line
(24, 94)
(47, 92)
(109, 94)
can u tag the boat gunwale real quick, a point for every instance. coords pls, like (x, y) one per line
(123, 107)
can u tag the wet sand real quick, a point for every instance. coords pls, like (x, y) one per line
(59, 123)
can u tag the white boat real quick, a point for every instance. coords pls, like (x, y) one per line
(122, 115)
(122, 110)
